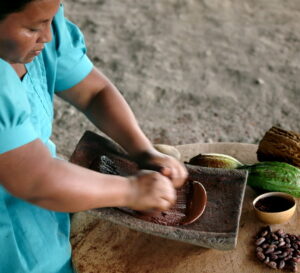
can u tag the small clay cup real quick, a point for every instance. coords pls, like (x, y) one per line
(283, 212)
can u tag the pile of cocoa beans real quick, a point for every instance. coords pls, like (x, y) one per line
(278, 250)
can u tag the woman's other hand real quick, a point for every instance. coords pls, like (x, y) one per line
(165, 164)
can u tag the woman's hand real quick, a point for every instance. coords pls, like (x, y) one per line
(150, 190)
(165, 164)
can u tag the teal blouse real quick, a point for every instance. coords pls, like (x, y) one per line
(33, 239)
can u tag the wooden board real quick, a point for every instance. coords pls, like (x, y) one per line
(102, 246)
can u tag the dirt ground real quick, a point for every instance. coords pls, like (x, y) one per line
(193, 70)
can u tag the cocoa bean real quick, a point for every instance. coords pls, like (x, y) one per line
(264, 233)
(280, 232)
(289, 257)
(272, 264)
(267, 260)
(295, 246)
(273, 257)
(260, 240)
(281, 264)
(269, 250)
(289, 250)
(274, 243)
(260, 256)
(259, 249)
(283, 255)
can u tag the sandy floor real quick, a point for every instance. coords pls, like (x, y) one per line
(193, 71)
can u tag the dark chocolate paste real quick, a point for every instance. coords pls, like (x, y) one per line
(274, 204)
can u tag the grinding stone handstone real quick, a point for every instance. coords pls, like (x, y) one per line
(216, 228)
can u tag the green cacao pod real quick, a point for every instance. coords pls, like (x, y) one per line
(274, 176)
(215, 160)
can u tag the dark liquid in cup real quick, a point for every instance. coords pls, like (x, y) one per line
(274, 204)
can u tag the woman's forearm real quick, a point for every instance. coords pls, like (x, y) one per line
(71, 188)
(30, 173)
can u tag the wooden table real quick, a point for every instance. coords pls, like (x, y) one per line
(101, 246)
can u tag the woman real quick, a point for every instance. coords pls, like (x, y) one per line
(42, 54)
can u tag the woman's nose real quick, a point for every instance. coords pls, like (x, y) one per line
(46, 35)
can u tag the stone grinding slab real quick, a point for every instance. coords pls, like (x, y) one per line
(216, 228)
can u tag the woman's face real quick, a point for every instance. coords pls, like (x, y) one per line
(23, 34)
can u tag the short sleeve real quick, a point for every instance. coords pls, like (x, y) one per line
(15, 125)
(73, 65)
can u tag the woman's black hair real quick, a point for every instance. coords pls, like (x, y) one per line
(11, 6)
